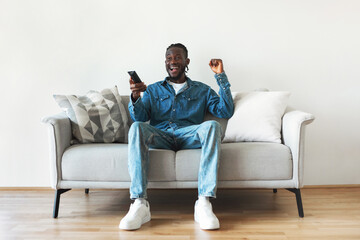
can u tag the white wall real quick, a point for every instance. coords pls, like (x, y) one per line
(309, 47)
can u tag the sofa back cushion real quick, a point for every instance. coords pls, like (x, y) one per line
(125, 99)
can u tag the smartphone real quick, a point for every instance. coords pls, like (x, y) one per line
(134, 76)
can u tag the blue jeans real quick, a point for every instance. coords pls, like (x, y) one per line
(143, 136)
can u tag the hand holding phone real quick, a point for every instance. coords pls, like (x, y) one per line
(134, 76)
(136, 85)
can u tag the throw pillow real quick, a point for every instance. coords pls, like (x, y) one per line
(97, 117)
(257, 117)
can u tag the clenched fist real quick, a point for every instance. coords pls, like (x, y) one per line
(216, 66)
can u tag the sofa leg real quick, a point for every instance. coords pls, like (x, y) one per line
(86, 191)
(58, 192)
(298, 200)
(275, 190)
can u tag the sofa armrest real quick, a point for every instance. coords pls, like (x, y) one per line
(59, 132)
(293, 133)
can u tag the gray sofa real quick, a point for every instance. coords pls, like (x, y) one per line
(242, 164)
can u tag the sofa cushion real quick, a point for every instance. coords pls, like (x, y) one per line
(257, 117)
(109, 162)
(125, 100)
(97, 117)
(240, 161)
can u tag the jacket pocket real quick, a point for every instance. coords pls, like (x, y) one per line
(163, 103)
(190, 98)
(162, 98)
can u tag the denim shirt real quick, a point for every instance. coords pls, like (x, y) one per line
(164, 109)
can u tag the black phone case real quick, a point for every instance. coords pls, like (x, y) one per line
(134, 76)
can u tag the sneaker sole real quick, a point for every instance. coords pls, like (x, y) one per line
(144, 220)
(202, 227)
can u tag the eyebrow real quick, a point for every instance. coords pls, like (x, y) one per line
(167, 54)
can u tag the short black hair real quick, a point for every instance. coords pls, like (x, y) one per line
(179, 45)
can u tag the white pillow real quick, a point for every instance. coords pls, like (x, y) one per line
(257, 117)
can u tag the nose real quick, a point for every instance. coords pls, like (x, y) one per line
(172, 61)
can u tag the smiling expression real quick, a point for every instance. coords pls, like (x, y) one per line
(175, 63)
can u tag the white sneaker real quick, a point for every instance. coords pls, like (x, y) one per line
(204, 215)
(139, 213)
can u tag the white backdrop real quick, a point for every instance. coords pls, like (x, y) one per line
(310, 48)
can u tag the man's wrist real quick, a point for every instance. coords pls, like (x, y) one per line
(222, 80)
(134, 98)
(220, 75)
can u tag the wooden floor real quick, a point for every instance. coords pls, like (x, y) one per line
(330, 213)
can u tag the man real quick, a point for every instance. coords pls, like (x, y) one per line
(176, 108)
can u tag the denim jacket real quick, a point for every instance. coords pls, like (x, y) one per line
(164, 109)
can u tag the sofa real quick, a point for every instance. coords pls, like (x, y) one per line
(242, 164)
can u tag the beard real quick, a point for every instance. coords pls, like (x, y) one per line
(178, 76)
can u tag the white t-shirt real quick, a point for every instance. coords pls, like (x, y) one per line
(177, 86)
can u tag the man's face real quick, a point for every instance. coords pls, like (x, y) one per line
(175, 62)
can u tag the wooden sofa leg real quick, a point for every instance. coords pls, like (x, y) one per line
(58, 192)
(86, 191)
(298, 200)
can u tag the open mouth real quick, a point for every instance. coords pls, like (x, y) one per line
(174, 69)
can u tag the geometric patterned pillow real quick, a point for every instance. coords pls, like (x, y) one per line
(97, 117)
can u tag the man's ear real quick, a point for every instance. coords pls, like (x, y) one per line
(187, 61)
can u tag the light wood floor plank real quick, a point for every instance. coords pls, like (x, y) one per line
(330, 213)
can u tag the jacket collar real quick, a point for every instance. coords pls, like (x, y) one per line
(189, 82)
